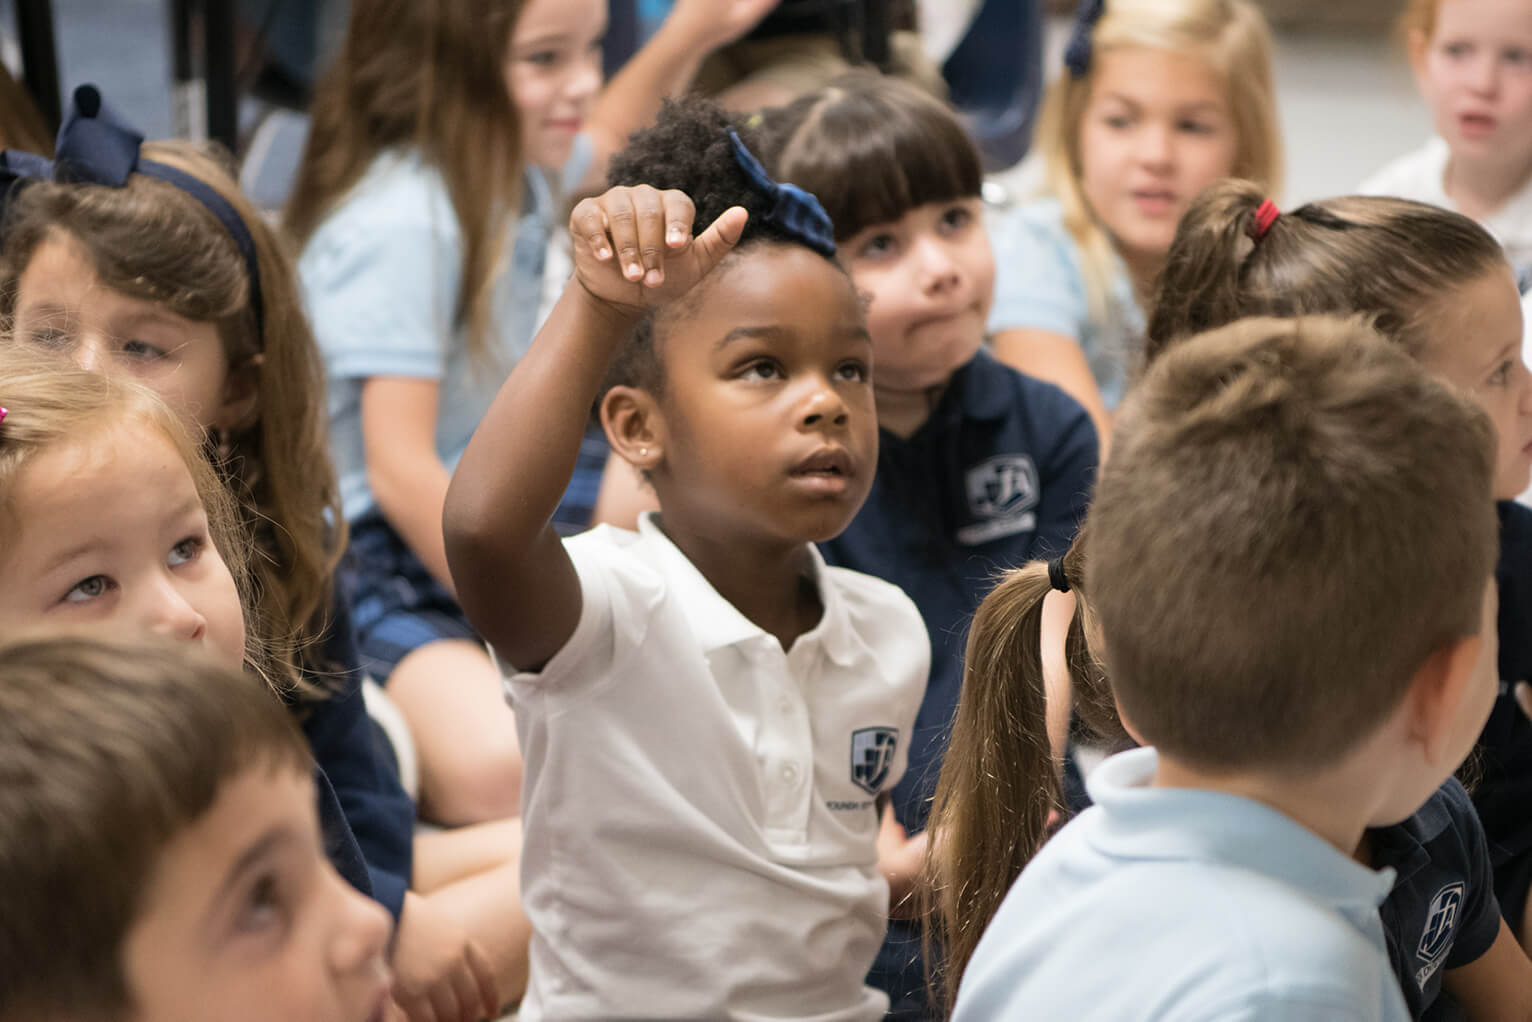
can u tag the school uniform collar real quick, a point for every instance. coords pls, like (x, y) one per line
(1142, 822)
(1403, 845)
(717, 623)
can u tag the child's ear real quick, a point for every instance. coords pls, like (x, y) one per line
(634, 426)
(241, 401)
(1436, 695)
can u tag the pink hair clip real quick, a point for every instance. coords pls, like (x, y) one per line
(1265, 215)
(3, 414)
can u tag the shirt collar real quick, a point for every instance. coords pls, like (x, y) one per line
(717, 623)
(1143, 822)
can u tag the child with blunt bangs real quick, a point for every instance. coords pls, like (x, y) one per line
(980, 468)
(144, 259)
(1257, 458)
(1157, 100)
(161, 851)
(711, 714)
(1437, 284)
(446, 139)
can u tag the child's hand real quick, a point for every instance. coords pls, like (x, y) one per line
(440, 975)
(633, 247)
(901, 859)
(720, 22)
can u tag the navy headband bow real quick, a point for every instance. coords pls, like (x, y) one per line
(96, 146)
(1078, 53)
(793, 210)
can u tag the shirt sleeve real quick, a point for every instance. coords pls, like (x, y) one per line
(382, 291)
(1481, 909)
(381, 816)
(1038, 285)
(618, 595)
(1068, 470)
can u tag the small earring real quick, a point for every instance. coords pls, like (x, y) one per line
(643, 452)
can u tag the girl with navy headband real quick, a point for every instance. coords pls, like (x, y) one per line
(143, 258)
(711, 714)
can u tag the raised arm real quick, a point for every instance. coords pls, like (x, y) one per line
(664, 67)
(633, 250)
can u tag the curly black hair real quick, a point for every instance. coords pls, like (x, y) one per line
(688, 149)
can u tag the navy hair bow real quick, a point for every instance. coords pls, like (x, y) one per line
(96, 146)
(793, 210)
(1078, 53)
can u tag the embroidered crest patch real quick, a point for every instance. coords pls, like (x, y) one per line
(1002, 496)
(1441, 927)
(872, 756)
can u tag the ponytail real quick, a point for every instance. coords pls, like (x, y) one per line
(1202, 285)
(999, 782)
(1391, 261)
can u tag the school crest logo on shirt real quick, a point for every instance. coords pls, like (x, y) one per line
(872, 756)
(1002, 496)
(1441, 924)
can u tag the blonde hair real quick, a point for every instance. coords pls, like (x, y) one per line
(1279, 456)
(50, 402)
(425, 75)
(153, 241)
(1233, 37)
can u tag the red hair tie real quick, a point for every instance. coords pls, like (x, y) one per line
(1265, 215)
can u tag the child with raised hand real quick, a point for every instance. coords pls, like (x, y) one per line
(1157, 100)
(162, 854)
(980, 468)
(145, 259)
(1473, 64)
(1258, 458)
(445, 139)
(715, 855)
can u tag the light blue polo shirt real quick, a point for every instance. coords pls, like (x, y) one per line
(380, 277)
(1040, 285)
(1164, 903)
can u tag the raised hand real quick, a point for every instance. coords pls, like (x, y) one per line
(633, 247)
(720, 22)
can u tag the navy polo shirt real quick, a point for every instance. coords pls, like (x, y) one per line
(1442, 913)
(999, 475)
(367, 818)
(1503, 789)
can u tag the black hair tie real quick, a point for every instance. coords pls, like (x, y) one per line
(1056, 576)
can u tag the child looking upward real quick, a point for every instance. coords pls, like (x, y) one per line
(161, 849)
(710, 713)
(1261, 458)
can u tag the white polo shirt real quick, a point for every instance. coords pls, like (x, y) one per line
(1176, 903)
(698, 806)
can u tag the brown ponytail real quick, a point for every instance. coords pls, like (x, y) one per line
(999, 781)
(1390, 260)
